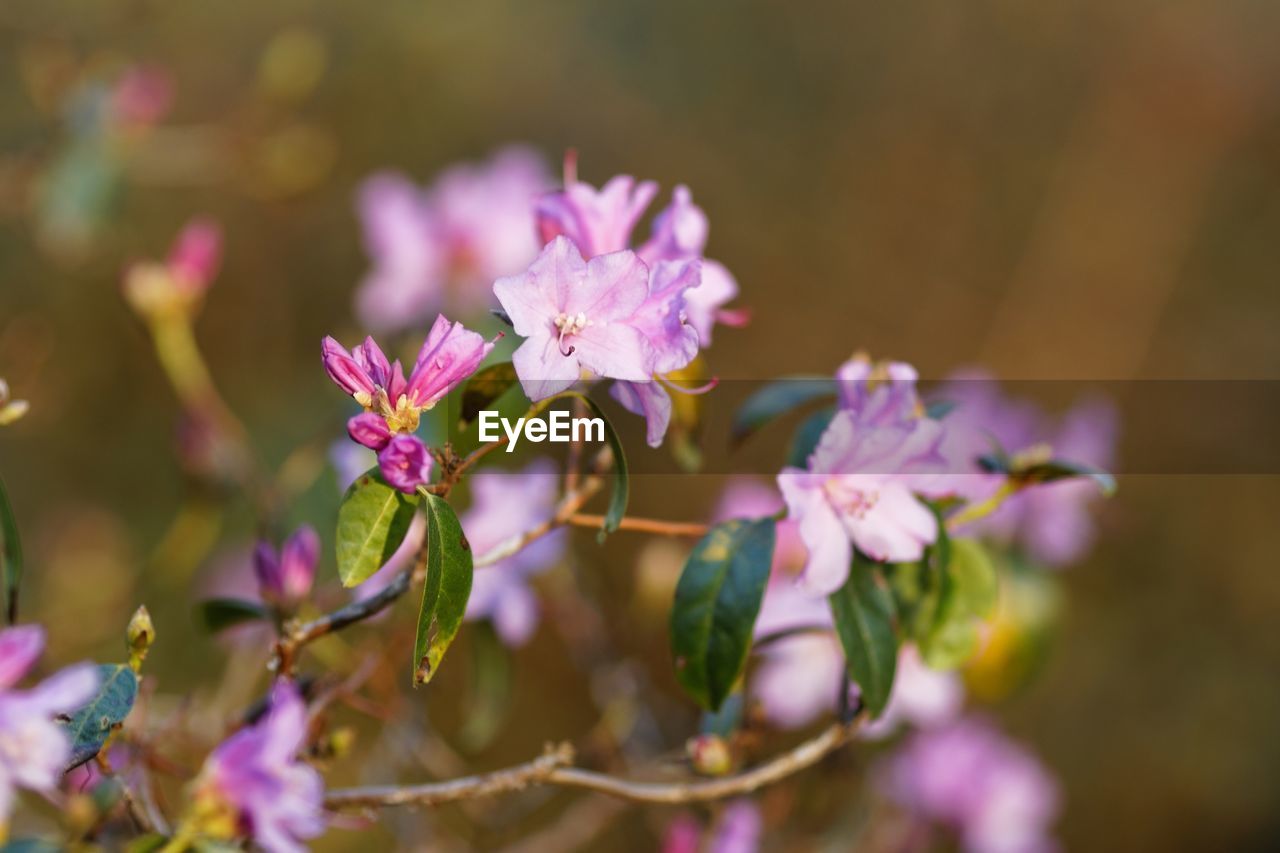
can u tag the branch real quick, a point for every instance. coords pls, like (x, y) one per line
(567, 509)
(644, 525)
(299, 635)
(554, 768)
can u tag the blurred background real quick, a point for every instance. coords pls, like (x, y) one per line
(1085, 190)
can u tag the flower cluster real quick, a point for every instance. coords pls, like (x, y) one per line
(34, 749)
(474, 225)
(590, 305)
(393, 404)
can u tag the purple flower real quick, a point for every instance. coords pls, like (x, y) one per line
(450, 241)
(505, 506)
(680, 232)
(285, 577)
(255, 779)
(369, 430)
(448, 356)
(405, 463)
(969, 777)
(739, 829)
(575, 316)
(33, 749)
(861, 484)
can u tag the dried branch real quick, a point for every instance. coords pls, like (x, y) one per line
(554, 768)
(644, 525)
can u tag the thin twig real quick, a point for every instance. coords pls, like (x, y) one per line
(567, 509)
(644, 525)
(299, 635)
(554, 768)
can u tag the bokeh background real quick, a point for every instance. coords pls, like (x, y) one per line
(1057, 190)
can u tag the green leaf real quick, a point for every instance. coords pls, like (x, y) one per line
(776, 399)
(964, 590)
(977, 583)
(372, 522)
(10, 556)
(717, 600)
(864, 615)
(483, 388)
(219, 614)
(90, 726)
(939, 409)
(447, 588)
(806, 437)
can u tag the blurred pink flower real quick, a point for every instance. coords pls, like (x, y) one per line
(738, 830)
(276, 799)
(444, 246)
(142, 95)
(505, 505)
(1052, 522)
(34, 749)
(969, 777)
(196, 254)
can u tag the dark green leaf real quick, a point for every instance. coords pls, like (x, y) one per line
(806, 437)
(939, 409)
(621, 475)
(716, 604)
(372, 522)
(726, 721)
(219, 614)
(90, 726)
(776, 399)
(863, 613)
(1046, 472)
(446, 590)
(10, 557)
(483, 388)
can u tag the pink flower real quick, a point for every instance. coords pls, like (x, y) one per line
(285, 577)
(255, 774)
(34, 749)
(448, 356)
(574, 316)
(504, 506)
(597, 221)
(921, 696)
(405, 463)
(447, 243)
(861, 484)
(969, 777)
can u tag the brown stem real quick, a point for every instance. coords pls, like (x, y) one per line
(644, 525)
(567, 509)
(554, 768)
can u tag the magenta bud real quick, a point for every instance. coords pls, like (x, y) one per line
(196, 254)
(405, 463)
(285, 579)
(369, 429)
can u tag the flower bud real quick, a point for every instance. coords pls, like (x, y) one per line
(370, 430)
(196, 256)
(709, 755)
(139, 636)
(285, 579)
(405, 463)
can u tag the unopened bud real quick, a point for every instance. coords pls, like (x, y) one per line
(709, 755)
(139, 636)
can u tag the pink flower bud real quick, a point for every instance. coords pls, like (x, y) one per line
(196, 255)
(370, 430)
(405, 463)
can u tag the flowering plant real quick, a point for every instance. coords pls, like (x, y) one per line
(891, 552)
